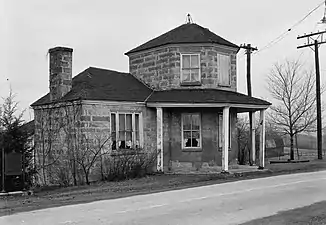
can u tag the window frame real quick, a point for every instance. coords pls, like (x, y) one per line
(200, 133)
(181, 69)
(219, 69)
(133, 130)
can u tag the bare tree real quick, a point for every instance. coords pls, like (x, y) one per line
(243, 140)
(90, 152)
(294, 90)
(48, 124)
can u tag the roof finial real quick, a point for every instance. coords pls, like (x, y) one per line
(189, 19)
(323, 20)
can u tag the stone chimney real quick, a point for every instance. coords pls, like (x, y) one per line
(60, 72)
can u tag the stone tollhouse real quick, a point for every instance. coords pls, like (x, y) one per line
(179, 99)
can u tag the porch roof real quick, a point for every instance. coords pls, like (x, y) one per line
(204, 97)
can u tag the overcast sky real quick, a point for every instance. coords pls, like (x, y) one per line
(101, 31)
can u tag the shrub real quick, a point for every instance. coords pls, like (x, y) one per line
(128, 165)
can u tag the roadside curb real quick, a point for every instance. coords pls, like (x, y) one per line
(16, 193)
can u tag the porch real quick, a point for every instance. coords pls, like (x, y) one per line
(201, 135)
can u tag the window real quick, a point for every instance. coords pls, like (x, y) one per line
(220, 131)
(125, 131)
(224, 69)
(190, 68)
(191, 137)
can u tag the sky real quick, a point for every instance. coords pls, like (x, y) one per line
(101, 31)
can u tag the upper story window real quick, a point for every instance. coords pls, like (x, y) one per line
(224, 69)
(190, 69)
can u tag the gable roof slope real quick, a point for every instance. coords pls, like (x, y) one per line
(189, 33)
(102, 84)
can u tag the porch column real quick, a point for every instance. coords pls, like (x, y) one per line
(225, 139)
(159, 124)
(262, 140)
(253, 138)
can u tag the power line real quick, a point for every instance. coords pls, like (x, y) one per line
(284, 34)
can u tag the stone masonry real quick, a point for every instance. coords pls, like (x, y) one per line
(60, 72)
(160, 68)
(57, 127)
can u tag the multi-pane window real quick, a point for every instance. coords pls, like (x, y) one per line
(125, 131)
(224, 69)
(191, 137)
(190, 68)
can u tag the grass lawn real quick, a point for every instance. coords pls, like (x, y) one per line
(313, 215)
(150, 184)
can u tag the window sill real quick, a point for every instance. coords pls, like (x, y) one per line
(126, 152)
(225, 85)
(192, 149)
(198, 83)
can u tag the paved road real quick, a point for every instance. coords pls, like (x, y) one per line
(229, 203)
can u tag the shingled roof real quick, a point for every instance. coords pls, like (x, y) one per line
(203, 96)
(188, 33)
(101, 84)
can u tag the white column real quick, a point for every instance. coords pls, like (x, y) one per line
(225, 139)
(159, 123)
(262, 139)
(253, 138)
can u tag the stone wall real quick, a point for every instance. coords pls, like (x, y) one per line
(160, 68)
(62, 131)
(96, 118)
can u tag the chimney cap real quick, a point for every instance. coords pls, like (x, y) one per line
(62, 49)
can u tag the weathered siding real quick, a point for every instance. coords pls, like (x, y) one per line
(160, 68)
(209, 153)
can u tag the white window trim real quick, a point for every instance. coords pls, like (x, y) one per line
(200, 133)
(219, 73)
(181, 63)
(133, 120)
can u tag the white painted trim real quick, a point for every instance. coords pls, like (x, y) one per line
(262, 139)
(159, 135)
(133, 128)
(220, 134)
(200, 133)
(225, 147)
(206, 105)
(141, 130)
(224, 47)
(181, 62)
(253, 138)
(133, 133)
(117, 131)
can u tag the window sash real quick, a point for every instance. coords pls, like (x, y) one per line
(190, 71)
(224, 69)
(125, 130)
(193, 131)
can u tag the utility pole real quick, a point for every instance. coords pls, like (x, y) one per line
(314, 42)
(3, 168)
(249, 51)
